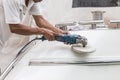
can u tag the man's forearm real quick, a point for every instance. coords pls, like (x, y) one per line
(24, 30)
(41, 22)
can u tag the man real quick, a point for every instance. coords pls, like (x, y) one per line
(15, 17)
(12, 18)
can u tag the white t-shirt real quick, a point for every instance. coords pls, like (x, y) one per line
(15, 12)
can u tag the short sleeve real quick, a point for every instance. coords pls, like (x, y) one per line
(12, 11)
(35, 9)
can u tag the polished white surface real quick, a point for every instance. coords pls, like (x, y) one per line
(106, 43)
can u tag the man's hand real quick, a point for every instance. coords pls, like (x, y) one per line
(48, 34)
(44, 24)
(65, 32)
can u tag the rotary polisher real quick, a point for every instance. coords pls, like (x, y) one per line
(79, 43)
(71, 38)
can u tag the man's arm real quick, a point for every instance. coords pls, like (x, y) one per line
(42, 23)
(24, 30)
(27, 30)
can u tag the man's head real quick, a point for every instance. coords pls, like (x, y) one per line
(37, 0)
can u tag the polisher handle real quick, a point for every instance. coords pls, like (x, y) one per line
(65, 38)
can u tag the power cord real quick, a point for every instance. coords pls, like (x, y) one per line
(12, 64)
(21, 50)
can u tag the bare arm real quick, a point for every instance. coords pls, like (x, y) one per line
(44, 28)
(41, 22)
(27, 30)
(24, 30)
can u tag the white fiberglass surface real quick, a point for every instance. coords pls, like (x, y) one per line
(106, 43)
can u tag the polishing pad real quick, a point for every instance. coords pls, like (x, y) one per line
(80, 49)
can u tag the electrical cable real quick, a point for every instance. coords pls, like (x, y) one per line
(27, 45)
(12, 64)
